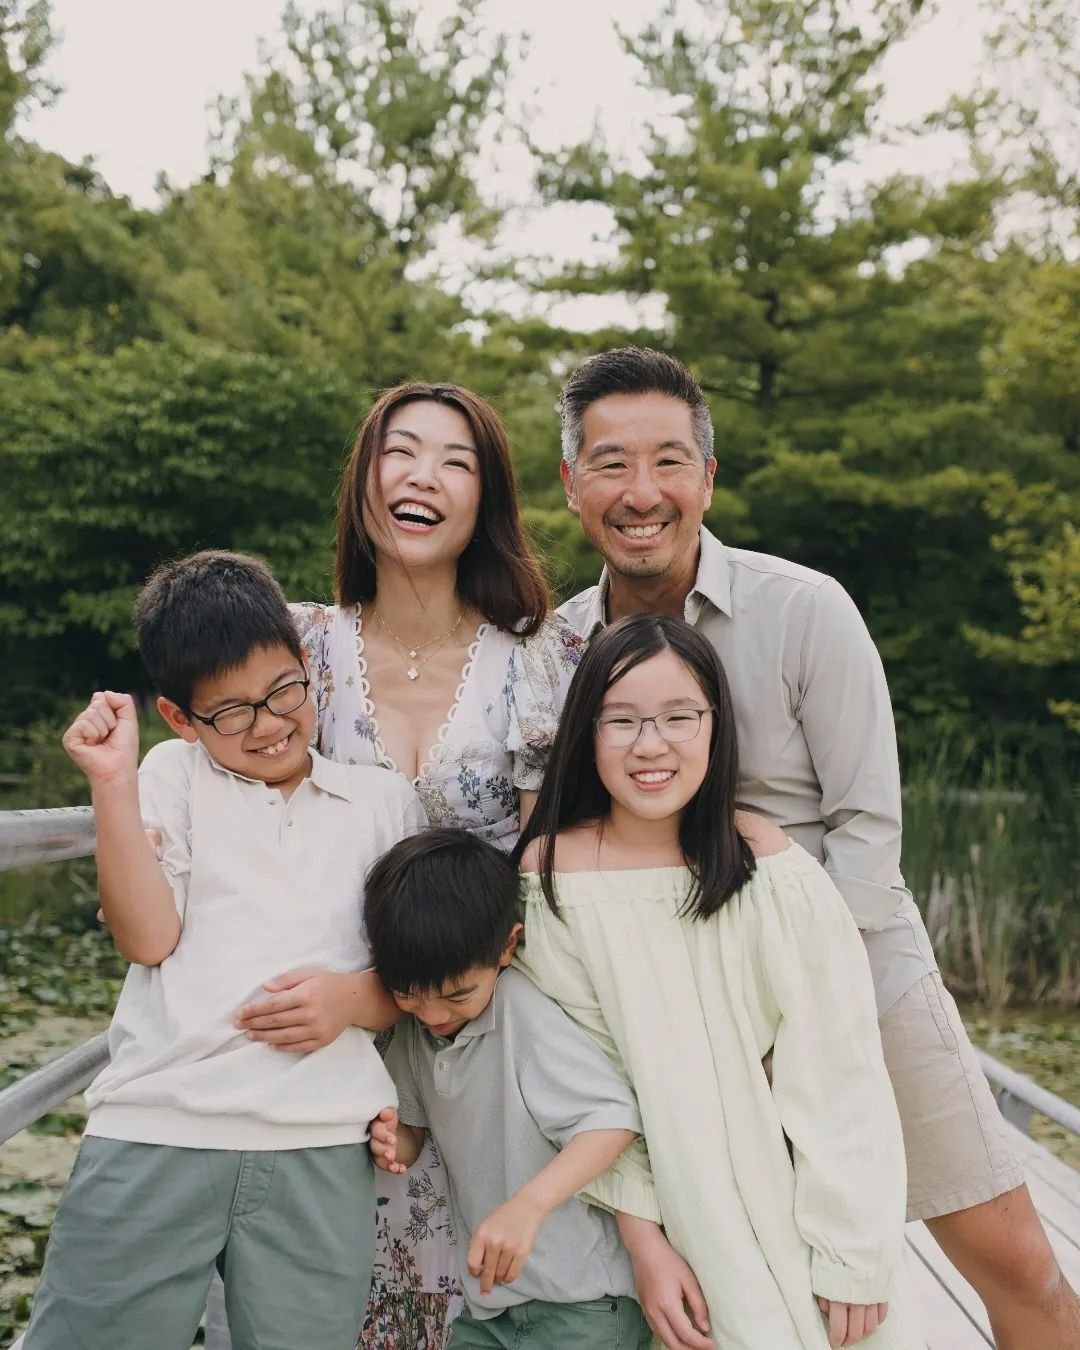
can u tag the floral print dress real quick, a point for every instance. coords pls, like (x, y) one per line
(494, 743)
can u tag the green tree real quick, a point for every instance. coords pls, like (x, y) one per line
(839, 330)
(114, 462)
(332, 179)
(1041, 541)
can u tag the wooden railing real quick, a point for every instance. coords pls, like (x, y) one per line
(28, 837)
(54, 835)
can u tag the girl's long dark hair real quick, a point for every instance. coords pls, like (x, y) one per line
(719, 858)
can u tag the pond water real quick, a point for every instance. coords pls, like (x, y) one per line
(1045, 1045)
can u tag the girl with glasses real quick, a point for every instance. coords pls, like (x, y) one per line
(697, 944)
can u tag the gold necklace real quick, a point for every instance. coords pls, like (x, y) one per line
(413, 671)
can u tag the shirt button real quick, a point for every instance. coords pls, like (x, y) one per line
(443, 1065)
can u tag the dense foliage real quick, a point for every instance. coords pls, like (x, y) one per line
(893, 367)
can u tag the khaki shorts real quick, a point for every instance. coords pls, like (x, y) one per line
(958, 1153)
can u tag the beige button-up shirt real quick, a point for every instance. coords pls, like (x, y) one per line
(817, 744)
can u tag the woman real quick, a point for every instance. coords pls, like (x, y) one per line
(440, 661)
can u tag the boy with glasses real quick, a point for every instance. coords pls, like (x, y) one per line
(206, 1146)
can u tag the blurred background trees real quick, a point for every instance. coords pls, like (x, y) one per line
(892, 360)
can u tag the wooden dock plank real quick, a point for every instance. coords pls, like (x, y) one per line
(945, 1325)
(963, 1296)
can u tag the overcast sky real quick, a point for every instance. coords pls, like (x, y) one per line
(138, 76)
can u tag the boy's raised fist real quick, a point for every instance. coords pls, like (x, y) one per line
(104, 739)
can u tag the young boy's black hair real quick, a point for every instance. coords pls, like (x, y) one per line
(438, 904)
(205, 614)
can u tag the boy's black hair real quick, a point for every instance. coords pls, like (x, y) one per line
(204, 614)
(438, 904)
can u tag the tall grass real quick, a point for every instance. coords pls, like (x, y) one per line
(992, 855)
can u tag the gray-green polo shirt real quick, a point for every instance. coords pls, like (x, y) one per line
(512, 1088)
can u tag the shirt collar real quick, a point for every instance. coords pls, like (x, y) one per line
(480, 1025)
(712, 584)
(713, 580)
(327, 775)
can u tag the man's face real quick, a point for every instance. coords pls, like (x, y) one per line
(641, 485)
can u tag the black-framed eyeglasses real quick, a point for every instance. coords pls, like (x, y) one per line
(623, 729)
(239, 717)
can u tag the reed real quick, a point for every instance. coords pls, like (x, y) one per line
(992, 855)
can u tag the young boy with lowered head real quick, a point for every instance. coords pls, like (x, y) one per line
(205, 1146)
(525, 1108)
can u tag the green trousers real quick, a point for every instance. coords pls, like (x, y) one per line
(604, 1324)
(141, 1227)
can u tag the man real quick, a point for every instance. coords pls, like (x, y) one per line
(818, 755)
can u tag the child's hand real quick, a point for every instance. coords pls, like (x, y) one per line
(667, 1289)
(852, 1322)
(383, 1131)
(501, 1244)
(306, 1010)
(104, 738)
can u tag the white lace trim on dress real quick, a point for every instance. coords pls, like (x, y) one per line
(384, 759)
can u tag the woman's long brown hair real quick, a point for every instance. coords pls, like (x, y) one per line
(499, 574)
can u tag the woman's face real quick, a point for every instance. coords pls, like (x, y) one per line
(652, 777)
(425, 482)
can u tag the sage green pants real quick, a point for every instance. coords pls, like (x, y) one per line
(141, 1227)
(603, 1324)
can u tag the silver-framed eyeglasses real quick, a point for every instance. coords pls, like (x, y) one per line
(240, 717)
(678, 724)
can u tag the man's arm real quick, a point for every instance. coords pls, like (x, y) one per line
(847, 719)
(502, 1242)
(136, 898)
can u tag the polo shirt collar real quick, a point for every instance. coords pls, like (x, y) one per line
(326, 774)
(712, 584)
(471, 1031)
(479, 1026)
(329, 775)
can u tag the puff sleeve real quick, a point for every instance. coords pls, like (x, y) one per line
(538, 678)
(548, 957)
(313, 622)
(831, 1088)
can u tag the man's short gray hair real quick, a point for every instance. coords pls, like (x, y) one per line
(630, 370)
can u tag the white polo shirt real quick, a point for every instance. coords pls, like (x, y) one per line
(262, 886)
